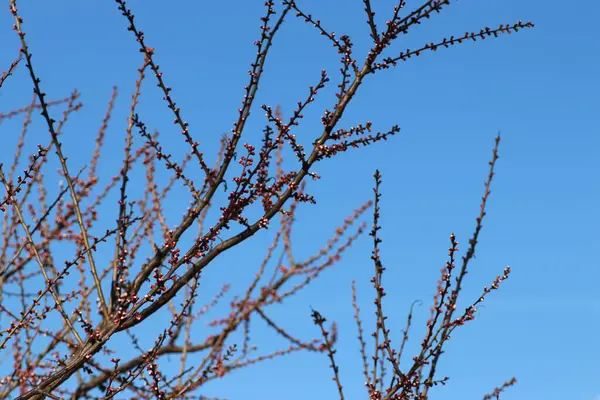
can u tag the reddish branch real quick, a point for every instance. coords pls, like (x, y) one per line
(10, 70)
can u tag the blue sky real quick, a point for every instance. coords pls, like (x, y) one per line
(538, 88)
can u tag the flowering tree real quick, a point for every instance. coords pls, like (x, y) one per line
(156, 268)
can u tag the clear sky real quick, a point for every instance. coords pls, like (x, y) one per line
(539, 88)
